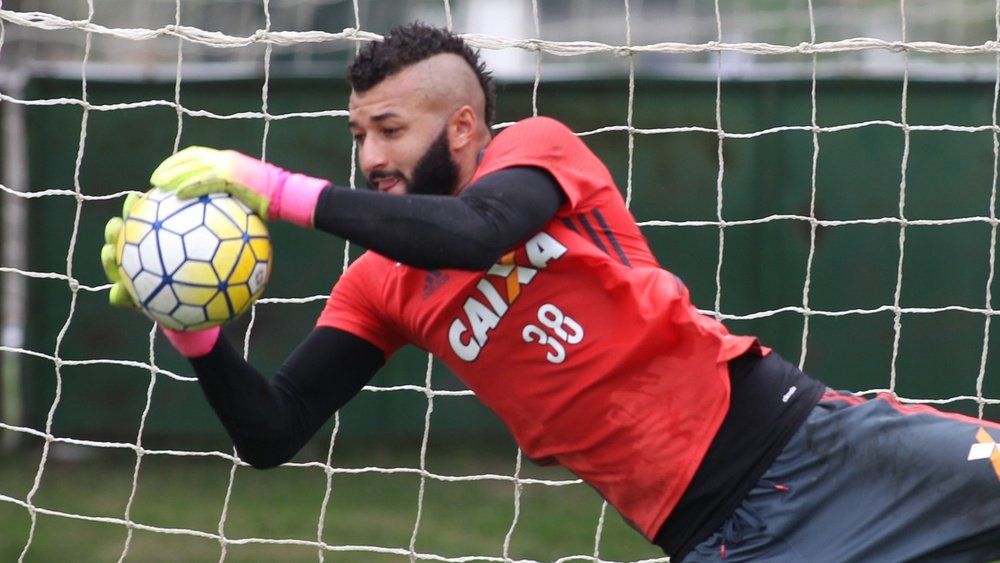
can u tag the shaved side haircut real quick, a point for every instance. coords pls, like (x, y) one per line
(412, 43)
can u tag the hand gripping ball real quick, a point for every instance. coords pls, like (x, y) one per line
(195, 263)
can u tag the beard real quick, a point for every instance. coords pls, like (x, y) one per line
(436, 173)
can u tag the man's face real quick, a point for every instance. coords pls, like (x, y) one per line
(402, 138)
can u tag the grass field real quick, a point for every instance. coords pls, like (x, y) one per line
(467, 519)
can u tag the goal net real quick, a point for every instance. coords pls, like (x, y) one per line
(821, 174)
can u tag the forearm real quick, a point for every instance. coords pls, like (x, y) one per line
(270, 420)
(469, 232)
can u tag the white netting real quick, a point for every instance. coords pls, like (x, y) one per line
(535, 41)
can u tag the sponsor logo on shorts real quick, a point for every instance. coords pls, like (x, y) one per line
(986, 447)
(788, 395)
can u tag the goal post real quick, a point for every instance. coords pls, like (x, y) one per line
(820, 175)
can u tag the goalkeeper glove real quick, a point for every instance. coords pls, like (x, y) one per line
(191, 343)
(271, 192)
(119, 296)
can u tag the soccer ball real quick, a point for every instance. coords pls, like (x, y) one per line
(195, 263)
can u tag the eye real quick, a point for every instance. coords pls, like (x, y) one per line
(359, 138)
(391, 131)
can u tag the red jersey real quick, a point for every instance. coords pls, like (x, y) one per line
(590, 352)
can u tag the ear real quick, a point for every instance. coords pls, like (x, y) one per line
(462, 126)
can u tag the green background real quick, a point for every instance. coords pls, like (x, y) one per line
(767, 170)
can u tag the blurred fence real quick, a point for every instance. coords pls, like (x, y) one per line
(869, 146)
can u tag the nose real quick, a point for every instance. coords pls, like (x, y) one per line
(371, 156)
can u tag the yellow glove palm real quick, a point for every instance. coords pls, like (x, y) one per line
(118, 295)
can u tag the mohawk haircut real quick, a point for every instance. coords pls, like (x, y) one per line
(412, 43)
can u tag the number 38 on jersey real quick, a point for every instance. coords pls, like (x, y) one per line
(558, 331)
(493, 295)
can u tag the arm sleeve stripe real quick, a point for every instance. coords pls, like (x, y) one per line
(569, 223)
(595, 237)
(611, 237)
(593, 234)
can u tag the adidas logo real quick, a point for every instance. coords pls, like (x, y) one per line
(433, 281)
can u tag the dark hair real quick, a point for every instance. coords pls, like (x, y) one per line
(409, 44)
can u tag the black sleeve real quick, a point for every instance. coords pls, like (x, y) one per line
(270, 420)
(468, 232)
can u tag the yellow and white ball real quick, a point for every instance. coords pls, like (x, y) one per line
(196, 263)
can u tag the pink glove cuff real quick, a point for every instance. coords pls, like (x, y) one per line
(194, 343)
(295, 198)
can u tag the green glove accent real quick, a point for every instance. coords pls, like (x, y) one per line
(118, 296)
(256, 202)
(197, 171)
(189, 166)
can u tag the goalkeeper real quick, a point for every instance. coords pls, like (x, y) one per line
(514, 260)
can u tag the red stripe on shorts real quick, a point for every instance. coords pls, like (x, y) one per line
(906, 409)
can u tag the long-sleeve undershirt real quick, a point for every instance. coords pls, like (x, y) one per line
(468, 232)
(270, 419)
